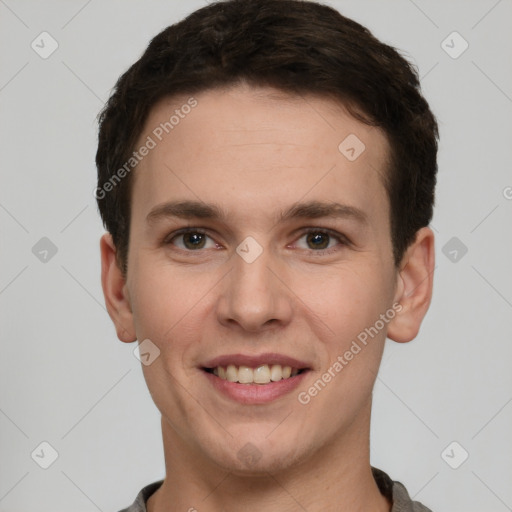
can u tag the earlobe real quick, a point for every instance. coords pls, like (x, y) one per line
(414, 287)
(115, 291)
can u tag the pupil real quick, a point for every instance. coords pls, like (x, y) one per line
(316, 239)
(194, 240)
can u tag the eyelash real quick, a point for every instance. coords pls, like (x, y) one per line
(343, 240)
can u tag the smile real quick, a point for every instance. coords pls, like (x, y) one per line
(255, 379)
(262, 374)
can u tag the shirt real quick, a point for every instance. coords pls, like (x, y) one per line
(394, 491)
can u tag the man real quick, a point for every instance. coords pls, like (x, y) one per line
(266, 177)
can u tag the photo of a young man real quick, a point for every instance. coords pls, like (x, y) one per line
(266, 175)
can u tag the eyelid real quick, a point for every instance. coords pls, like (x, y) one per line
(331, 232)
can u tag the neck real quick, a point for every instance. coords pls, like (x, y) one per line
(336, 478)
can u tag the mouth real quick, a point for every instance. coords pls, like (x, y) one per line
(262, 374)
(255, 379)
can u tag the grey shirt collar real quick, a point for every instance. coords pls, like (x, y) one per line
(394, 491)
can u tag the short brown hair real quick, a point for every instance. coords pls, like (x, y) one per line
(300, 47)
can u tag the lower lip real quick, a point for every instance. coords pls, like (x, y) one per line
(255, 393)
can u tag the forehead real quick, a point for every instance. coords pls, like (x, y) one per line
(255, 151)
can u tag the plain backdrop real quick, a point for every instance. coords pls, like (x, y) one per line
(67, 381)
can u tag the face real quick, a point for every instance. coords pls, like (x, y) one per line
(259, 253)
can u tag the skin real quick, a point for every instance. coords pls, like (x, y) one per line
(255, 152)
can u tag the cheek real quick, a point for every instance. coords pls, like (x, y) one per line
(165, 304)
(347, 305)
(345, 301)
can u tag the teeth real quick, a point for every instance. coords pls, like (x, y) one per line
(276, 372)
(263, 374)
(232, 373)
(245, 375)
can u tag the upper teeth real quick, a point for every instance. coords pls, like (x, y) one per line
(261, 375)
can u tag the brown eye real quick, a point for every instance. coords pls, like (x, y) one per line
(191, 240)
(194, 240)
(322, 240)
(318, 240)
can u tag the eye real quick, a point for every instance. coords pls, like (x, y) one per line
(313, 239)
(191, 239)
(320, 240)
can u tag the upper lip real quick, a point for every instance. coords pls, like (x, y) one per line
(253, 361)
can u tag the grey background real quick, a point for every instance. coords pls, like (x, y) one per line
(67, 380)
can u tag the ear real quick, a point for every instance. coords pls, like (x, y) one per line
(115, 291)
(414, 287)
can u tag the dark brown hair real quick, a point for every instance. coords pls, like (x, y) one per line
(300, 47)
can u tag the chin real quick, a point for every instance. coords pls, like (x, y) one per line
(252, 452)
(250, 461)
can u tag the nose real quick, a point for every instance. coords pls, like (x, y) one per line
(254, 296)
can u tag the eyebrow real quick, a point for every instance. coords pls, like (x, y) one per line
(188, 209)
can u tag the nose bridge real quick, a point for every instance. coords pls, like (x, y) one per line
(253, 296)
